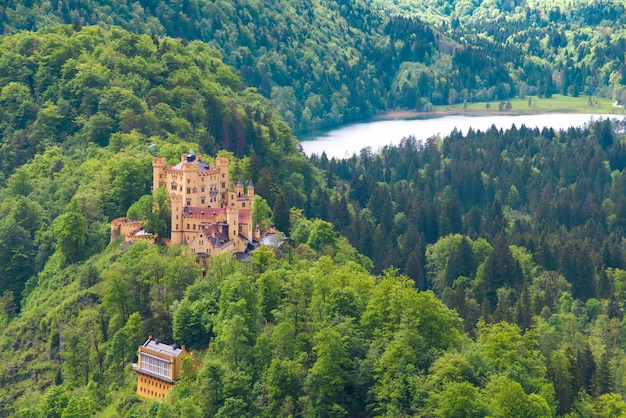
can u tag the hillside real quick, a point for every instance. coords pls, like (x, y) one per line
(482, 274)
(327, 63)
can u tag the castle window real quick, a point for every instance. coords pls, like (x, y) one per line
(243, 204)
(188, 181)
(188, 202)
(187, 226)
(195, 190)
(155, 365)
(188, 190)
(223, 185)
(202, 187)
(194, 227)
(202, 199)
(174, 185)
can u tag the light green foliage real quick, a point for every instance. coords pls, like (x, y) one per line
(513, 354)
(70, 231)
(610, 405)
(326, 378)
(284, 383)
(438, 254)
(141, 210)
(508, 399)
(461, 400)
(123, 345)
(76, 408)
(322, 235)
(261, 214)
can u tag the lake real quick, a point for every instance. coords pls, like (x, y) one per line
(343, 142)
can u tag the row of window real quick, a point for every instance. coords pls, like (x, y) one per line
(153, 382)
(212, 178)
(174, 186)
(151, 392)
(203, 200)
(155, 365)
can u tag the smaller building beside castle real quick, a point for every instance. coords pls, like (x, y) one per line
(158, 367)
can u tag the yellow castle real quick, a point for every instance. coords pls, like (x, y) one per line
(208, 215)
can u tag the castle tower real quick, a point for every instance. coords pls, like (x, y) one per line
(177, 219)
(158, 173)
(232, 218)
(239, 189)
(251, 190)
(223, 183)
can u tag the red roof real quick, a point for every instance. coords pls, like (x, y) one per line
(244, 216)
(212, 214)
(207, 214)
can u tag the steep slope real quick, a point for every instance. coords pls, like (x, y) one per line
(79, 110)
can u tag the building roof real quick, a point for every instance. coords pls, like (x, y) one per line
(202, 166)
(208, 214)
(213, 214)
(216, 234)
(159, 347)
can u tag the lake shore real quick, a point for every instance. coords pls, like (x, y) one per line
(392, 127)
(409, 114)
(520, 106)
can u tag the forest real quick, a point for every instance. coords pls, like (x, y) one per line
(481, 274)
(325, 63)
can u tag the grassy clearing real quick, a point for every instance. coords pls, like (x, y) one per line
(556, 104)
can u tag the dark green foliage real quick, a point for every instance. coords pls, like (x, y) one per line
(280, 215)
(500, 270)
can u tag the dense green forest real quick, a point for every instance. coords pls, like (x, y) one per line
(482, 274)
(324, 63)
(511, 301)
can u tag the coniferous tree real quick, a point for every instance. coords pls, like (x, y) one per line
(501, 270)
(415, 270)
(603, 380)
(460, 263)
(280, 215)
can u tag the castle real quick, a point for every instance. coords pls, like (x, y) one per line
(208, 216)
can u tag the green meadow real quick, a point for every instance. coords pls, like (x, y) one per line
(534, 104)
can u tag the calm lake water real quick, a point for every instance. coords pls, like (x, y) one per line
(343, 142)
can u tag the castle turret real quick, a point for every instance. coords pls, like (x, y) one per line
(250, 189)
(158, 172)
(232, 218)
(239, 189)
